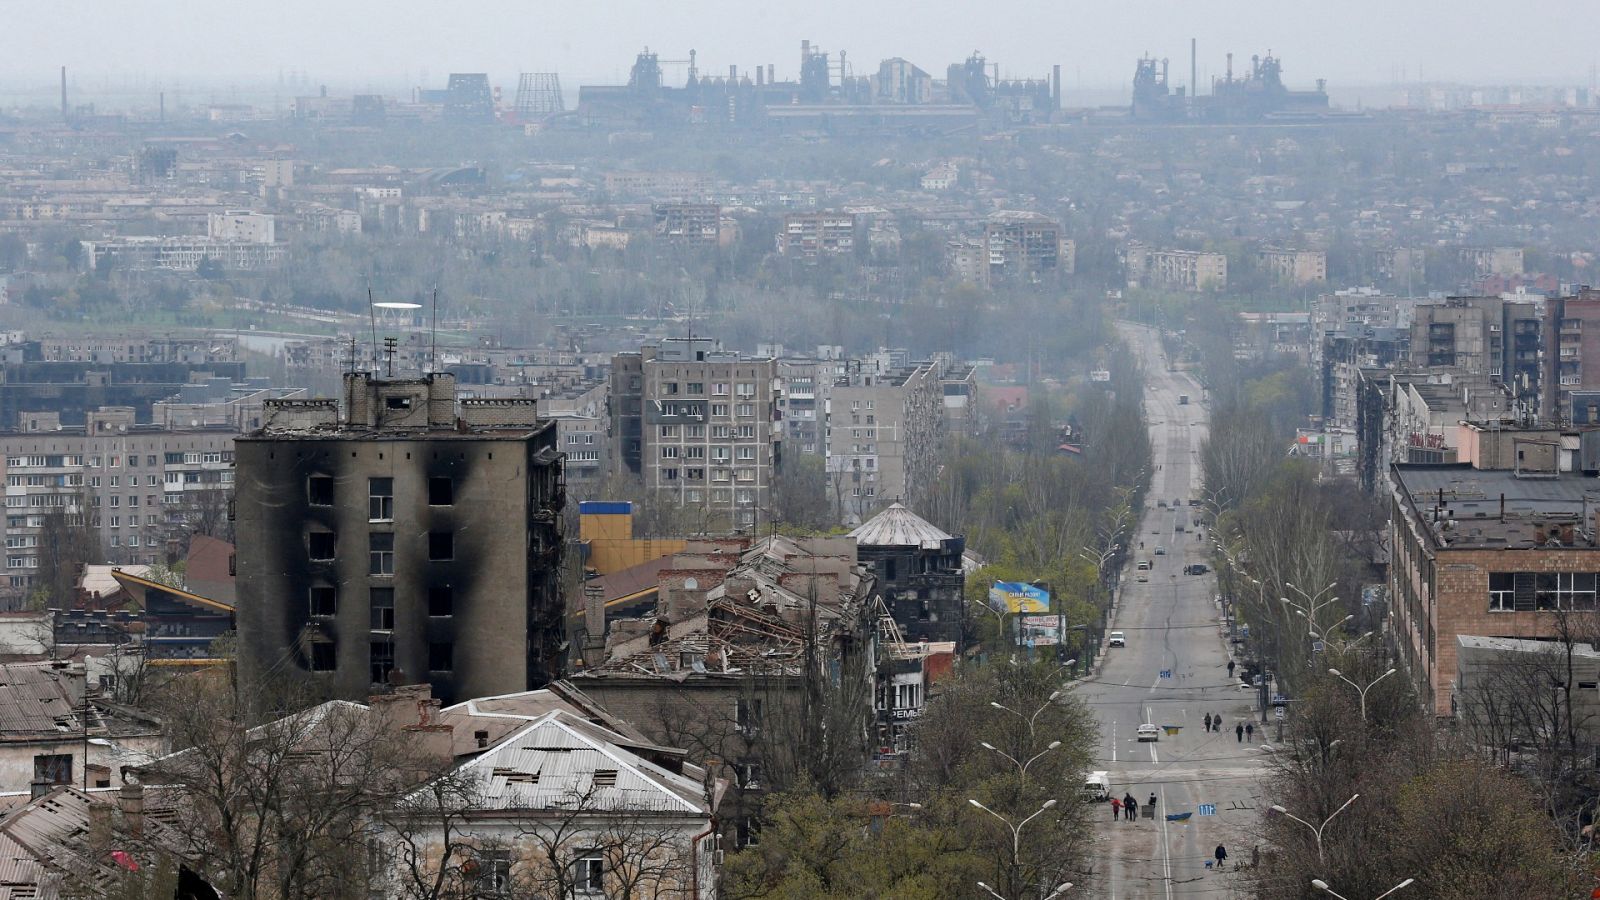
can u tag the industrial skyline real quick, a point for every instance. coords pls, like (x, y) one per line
(1360, 42)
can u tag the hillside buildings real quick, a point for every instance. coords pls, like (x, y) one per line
(416, 537)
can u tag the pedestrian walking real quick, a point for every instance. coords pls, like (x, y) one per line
(1116, 809)
(1130, 807)
(1208, 721)
(1250, 732)
(1230, 669)
(1238, 731)
(1152, 800)
(1222, 855)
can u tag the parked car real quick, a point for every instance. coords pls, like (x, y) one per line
(1161, 551)
(1097, 786)
(1142, 578)
(1149, 732)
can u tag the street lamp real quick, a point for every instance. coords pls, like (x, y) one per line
(1311, 630)
(1054, 696)
(1321, 885)
(1022, 767)
(1060, 889)
(1316, 829)
(1362, 691)
(1016, 834)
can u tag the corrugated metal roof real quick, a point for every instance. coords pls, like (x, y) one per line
(899, 527)
(552, 764)
(34, 701)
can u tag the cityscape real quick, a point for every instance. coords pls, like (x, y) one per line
(807, 475)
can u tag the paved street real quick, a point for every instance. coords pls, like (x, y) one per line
(1172, 673)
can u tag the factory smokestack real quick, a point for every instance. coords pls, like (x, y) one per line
(1055, 84)
(64, 114)
(1194, 74)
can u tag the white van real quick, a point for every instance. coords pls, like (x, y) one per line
(1117, 640)
(1097, 787)
(1144, 565)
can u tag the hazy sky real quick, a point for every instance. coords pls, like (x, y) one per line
(392, 43)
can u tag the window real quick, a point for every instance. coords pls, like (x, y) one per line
(319, 489)
(441, 492)
(669, 452)
(719, 409)
(52, 768)
(323, 657)
(719, 390)
(380, 553)
(382, 601)
(697, 387)
(670, 387)
(1502, 591)
(669, 431)
(380, 499)
(588, 876)
(441, 657)
(745, 409)
(747, 715)
(745, 389)
(382, 657)
(750, 775)
(397, 402)
(150, 460)
(441, 601)
(493, 873)
(324, 601)
(749, 832)
(747, 453)
(319, 543)
(441, 545)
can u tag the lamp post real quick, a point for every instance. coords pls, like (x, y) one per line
(1016, 840)
(1321, 885)
(1022, 765)
(1314, 602)
(1060, 889)
(1361, 691)
(1316, 830)
(1054, 696)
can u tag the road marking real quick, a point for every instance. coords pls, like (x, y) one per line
(1113, 740)
(1166, 848)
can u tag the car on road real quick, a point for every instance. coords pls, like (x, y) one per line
(1143, 578)
(1117, 640)
(1097, 786)
(1144, 565)
(1161, 503)
(1161, 551)
(1149, 732)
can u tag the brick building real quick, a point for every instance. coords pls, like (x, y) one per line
(1499, 554)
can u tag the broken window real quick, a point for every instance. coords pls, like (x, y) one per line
(441, 546)
(319, 490)
(324, 600)
(320, 544)
(441, 601)
(441, 492)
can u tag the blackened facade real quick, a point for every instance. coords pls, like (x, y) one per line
(918, 570)
(408, 537)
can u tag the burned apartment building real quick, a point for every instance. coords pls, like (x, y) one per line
(918, 570)
(417, 538)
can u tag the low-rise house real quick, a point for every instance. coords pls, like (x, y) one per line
(52, 733)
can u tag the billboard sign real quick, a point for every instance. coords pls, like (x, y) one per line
(1018, 597)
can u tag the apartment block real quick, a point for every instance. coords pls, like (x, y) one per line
(1184, 270)
(886, 429)
(688, 224)
(699, 425)
(1297, 267)
(1025, 245)
(137, 486)
(416, 538)
(809, 235)
(1571, 337)
(1482, 336)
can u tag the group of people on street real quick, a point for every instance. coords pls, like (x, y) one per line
(1128, 808)
(1242, 730)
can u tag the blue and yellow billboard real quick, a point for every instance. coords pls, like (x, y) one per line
(1018, 597)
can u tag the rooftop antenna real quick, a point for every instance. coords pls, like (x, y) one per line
(433, 342)
(372, 313)
(351, 367)
(389, 344)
